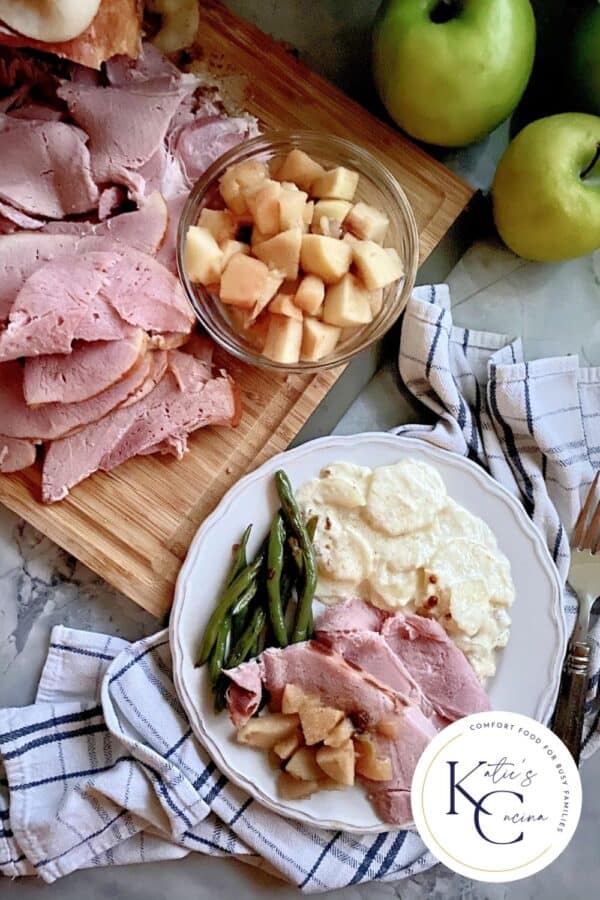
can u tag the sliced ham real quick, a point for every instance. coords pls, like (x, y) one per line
(88, 370)
(437, 665)
(201, 142)
(352, 615)
(166, 412)
(45, 168)
(319, 670)
(24, 252)
(370, 651)
(61, 302)
(53, 420)
(15, 454)
(122, 71)
(93, 297)
(142, 229)
(394, 646)
(18, 219)
(126, 124)
(146, 294)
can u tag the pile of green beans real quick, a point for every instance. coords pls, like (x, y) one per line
(265, 602)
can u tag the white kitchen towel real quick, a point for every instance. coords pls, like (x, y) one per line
(103, 769)
(535, 426)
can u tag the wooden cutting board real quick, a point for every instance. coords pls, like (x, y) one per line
(133, 526)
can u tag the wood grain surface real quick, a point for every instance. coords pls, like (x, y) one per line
(133, 526)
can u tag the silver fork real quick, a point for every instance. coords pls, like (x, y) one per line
(584, 578)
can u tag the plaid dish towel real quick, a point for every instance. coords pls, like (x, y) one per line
(103, 769)
(535, 426)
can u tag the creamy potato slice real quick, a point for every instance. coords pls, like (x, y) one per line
(392, 588)
(341, 484)
(342, 553)
(455, 521)
(404, 497)
(463, 560)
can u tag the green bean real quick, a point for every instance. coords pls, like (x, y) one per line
(295, 522)
(217, 657)
(295, 550)
(296, 554)
(239, 560)
(229, 596)
(246, 642)
(241, 609)
(261, 641)
(274, 570)
(221, 687)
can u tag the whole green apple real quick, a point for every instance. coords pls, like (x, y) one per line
(586, 60)
(450, 72)
(546, 192)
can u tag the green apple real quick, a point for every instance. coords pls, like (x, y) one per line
(546, 192)
(449, 71)
(586, 60)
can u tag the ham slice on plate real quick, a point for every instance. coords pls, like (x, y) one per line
(45, 168)
(319, 670)
(437, 665)
(15, 454)
(53, 420)
(88, 370)
(93, 297)
(170, 411)
(393, 646)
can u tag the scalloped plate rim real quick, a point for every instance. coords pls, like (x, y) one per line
(488, 484)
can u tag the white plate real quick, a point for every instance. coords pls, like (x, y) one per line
(528, 668)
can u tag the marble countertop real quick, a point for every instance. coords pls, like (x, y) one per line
(41, 586)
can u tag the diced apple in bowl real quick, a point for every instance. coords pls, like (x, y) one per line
(298, 260)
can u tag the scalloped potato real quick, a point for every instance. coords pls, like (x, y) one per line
(393, 537)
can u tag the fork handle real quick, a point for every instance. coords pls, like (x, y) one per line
(569, 713)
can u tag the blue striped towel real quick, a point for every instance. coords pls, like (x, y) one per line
(103, 769)
(535, 426)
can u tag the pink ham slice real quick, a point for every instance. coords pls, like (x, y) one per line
(166, 413)
(53, 420)
(62, 302)
(45, 168)
(393, 646)
(22, 253)
(200, 143)
(15, 454)
(94, 297)
(319, 670)
(147, 295)
(370, 651)
(14, 218)
(127, 124)
(143, 228)
(88, 370)
(437, 665)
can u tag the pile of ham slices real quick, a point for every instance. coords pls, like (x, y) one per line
(97, 358)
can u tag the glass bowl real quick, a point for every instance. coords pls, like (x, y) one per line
(377, 186)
